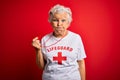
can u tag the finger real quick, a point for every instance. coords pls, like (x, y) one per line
(35, 38)
(36, 46)
(37, 42)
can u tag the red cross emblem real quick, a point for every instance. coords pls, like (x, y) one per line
(59, 58)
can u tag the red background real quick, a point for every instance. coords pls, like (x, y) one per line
(97, 21)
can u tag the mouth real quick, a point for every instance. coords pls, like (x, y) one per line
(59, 28)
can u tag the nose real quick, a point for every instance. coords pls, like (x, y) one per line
(59, 23)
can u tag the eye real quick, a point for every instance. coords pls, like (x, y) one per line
(55, 20)
(63, 20)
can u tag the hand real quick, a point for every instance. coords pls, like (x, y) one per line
(36, 43)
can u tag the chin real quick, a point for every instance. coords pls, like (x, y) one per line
(59, 32)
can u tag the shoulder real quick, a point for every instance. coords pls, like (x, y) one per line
(74, 35)
(46, 36)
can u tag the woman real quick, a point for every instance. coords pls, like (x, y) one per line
(61, 53)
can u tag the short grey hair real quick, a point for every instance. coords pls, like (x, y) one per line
(60, 8)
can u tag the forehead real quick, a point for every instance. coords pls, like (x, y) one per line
(60, 15)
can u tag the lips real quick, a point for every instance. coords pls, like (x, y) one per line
(59, 28)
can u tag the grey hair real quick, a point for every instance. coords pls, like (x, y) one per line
(60, 8)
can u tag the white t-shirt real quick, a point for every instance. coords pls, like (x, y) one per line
(61, 55)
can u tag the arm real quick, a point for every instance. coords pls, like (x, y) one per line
(39, 56)
(39, 59)
(81, 64)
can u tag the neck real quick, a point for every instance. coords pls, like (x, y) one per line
(60, 35)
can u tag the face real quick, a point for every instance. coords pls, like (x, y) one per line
(60, 23)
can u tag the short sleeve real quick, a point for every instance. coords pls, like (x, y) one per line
(43, 47)
(80, 49)
(44, 41)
